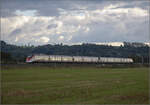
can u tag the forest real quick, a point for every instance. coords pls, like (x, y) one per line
(13, 53)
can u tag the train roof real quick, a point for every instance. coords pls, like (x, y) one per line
(76, 56)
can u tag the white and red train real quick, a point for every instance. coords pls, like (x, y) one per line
(75, 59)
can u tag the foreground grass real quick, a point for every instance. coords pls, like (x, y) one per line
(71, 85)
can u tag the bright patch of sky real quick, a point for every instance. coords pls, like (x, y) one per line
(26, 12)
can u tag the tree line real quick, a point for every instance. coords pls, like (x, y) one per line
(138, 51)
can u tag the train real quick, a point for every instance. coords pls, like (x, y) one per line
(41, 58)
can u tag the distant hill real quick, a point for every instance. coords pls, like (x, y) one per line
(134, 50)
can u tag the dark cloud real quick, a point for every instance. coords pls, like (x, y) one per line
(44, 7)
(51, 26)
(50, 7)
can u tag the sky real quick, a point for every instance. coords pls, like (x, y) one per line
(39, 22)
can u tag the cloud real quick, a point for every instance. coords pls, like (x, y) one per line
(15, 32)
(43, 39)
(51, 26)
(75, 22)
(61, 37)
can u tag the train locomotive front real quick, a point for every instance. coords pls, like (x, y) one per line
(29, 59)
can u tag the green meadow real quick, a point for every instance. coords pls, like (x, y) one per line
(74, 85)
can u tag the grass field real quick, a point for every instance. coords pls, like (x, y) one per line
(72, 85)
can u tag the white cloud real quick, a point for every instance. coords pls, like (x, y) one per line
(44, 39)
(87, 29)
(61, 37)
(73, 23)
(16, 39)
